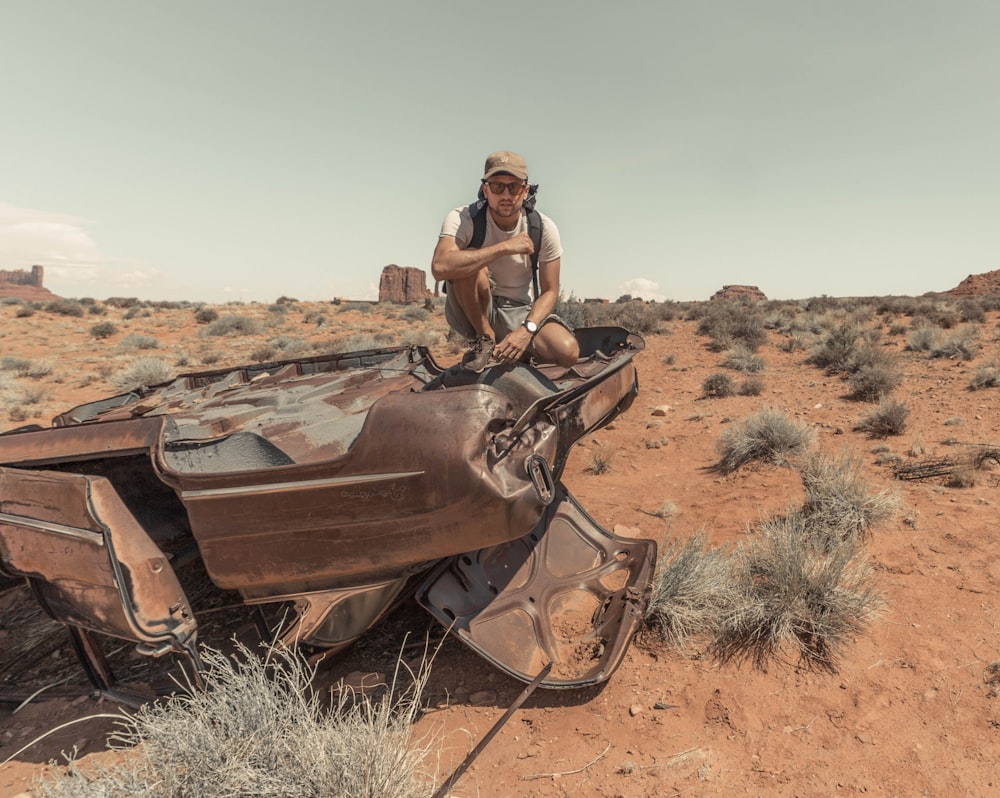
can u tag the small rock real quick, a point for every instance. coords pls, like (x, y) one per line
(661, 410)
(635, 709)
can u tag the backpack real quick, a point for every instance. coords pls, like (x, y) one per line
(477, 210)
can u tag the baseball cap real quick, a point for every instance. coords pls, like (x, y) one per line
(504, 162)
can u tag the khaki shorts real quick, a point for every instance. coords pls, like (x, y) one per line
(505, 316)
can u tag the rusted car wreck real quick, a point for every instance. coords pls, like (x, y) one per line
(339, 485)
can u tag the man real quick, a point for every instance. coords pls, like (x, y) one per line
(489, 288)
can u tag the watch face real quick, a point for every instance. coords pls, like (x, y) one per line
(532, 327)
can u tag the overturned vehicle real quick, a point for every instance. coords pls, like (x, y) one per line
(338, 485)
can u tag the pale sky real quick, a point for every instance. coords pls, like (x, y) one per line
(216, 150)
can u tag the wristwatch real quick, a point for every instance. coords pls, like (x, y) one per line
(532, 327)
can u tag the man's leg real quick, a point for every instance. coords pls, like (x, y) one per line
(473, 297)
(555, 344)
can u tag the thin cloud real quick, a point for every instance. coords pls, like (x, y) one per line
(72, 258)
(642, 288)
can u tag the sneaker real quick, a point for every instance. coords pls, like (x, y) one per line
(480, 354)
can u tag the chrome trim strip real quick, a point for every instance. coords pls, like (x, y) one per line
(50, 526)
(308, 484)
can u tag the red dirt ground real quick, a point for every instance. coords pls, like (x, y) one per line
(913, 710)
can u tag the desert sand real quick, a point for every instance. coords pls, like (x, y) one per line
(913, 708)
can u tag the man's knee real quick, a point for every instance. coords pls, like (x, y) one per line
(559, 346)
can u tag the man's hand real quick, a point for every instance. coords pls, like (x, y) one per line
(513, 346)
(520, 245)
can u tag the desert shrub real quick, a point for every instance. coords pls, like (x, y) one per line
(934, 314)
(17, 365)
(959, 345)
(600, 460)
(633, 315)
(65, 307)
(357, 342)
(752, 386)
(11, 300)
(796, 594)
(962, 478)
(835, 353)
(987, 376)
(122, 302)
(234, 325)
(277, 308)
(639, 317)
(729, 323)
(742, 358)
(133, 342)
(263, 353)
(211, 358)
(206, 315)
(142, 372)
(839, 500)
(357, 307)
(922, 338)
(934, 342)
(972, 311)
(768, 436)
(260, 730)
(96, 310)
(415, 313)
(873, 382)
(25, 311)
(24, 367)
(692, 593)
(718, 386)
(291, 347)
(889, 418)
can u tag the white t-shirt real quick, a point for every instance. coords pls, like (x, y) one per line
(510, 275)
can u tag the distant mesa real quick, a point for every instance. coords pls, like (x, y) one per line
(978, 284)
(401, 284)
(24, 284)
(740, 293)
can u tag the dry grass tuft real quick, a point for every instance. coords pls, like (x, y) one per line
(769, 436)
(839, 500)
(260, 730)
(796, 594)
(691, 595)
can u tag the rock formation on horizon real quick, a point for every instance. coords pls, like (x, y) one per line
(976, 284)
(24, 284)
(742, 293)
(400, 284)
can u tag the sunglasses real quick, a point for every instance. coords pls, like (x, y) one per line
(498, 188)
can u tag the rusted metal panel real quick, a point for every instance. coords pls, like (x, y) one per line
(91, 564)
(569, 594)
(330, 482)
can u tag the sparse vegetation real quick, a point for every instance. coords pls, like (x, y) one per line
(839, 499)
(600, 460)
(234, 325)
(796, 593)
(731, 323)
(260, 730)
(768, 436)
(692, 593)
(987, 376)
(142, 373)
(718, 385)
(205, 315)
(741, 358)
(104, 329)
(133, 342)
(888, 419)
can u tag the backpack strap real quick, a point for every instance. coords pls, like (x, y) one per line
(478, 213)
